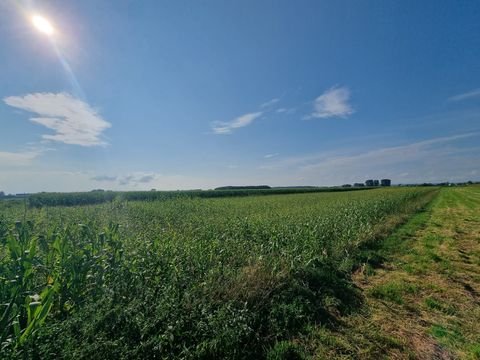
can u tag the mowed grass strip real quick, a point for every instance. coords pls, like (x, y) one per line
(423, 300)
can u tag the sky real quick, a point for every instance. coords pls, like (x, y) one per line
(135, 95)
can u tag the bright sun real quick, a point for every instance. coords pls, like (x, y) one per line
(42, 25)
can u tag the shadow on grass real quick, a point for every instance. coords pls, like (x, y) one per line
(316, 294)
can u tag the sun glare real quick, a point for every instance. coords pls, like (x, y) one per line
(42, 25)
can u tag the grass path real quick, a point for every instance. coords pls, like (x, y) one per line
(423, 301)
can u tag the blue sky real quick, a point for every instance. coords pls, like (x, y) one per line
(196, 94)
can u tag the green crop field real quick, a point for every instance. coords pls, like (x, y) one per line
(230, 277)
(239, 180)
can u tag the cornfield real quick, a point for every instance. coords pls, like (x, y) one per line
(185, 277)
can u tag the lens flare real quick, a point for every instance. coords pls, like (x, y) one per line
(43, 25)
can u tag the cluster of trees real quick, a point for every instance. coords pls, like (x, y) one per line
(370, 183)
(383, 182)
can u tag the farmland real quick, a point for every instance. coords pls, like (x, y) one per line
(188, 277)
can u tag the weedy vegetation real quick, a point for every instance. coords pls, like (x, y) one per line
(189, 277)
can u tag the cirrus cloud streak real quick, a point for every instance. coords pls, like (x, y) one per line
(223, 128)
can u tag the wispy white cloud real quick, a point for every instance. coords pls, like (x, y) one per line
(332, 103)
(27, 179)
(269, 156)
(285, 110)
(269, 103)
(73, 121)
(395, 155)
(23, 158)
(137, 178)
(128, 179)
(449, 158)
(465, 96)
(223, 128)
(106, 178)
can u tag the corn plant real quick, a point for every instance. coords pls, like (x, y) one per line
(26, 301)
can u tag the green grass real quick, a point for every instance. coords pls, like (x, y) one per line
(446, 335)
(285, 350)
(436, 304)
(393, 291)
(475, 351)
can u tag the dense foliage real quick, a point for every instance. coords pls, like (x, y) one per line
(253, 187)
(185, 277)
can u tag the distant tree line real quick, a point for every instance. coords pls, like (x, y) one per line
(253, 187)
(370, 183)
(98, 197)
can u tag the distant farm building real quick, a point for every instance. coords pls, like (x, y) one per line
(358, 185)
(369, 183)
